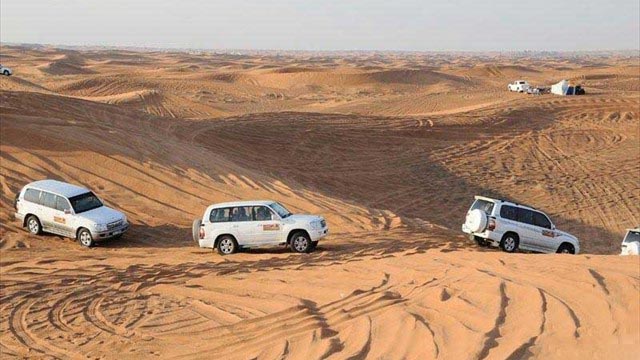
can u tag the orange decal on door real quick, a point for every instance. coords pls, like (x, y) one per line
(59, 219)
(270, 227)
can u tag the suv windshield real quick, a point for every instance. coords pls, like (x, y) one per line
(85, 202)
(281, 210)
(484, 205)
(632, 236)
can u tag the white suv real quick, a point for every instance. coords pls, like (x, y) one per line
(513, 226)
(631, 242)
(519, 86)
(246, 224)
(68, 210)
(5, 70)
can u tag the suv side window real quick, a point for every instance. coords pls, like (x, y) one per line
(509, 212)
(539, 219)
(525, 216)
(32, 196)
(62, 204)
(261, 213)
(48, 200)
(241, 213)
(220, 215)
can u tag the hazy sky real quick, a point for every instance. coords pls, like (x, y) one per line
(327, 24)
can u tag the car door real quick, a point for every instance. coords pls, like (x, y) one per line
(510, 222)
(527, 231)
(63, 217)
(242, 225)
(267, 226)
(30, 203)
(48, 212)
(219, 223)
(545, 236)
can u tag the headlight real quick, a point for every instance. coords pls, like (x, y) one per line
(101, 227)
(315, 225)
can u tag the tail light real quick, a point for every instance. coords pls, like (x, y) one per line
(492, 224)
(201, 233)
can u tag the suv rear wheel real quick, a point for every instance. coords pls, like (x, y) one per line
(227, 245)
(33, 224)
(481, 241)
(510, 242)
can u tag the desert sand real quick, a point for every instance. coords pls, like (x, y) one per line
(389, 148)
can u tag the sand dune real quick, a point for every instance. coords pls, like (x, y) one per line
(390, 149)
(67, 64)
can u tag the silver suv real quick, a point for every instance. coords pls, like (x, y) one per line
(68, 210)
(514, 226)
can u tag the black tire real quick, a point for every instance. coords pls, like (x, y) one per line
(195, 229)
(300, 242)
(84, 238)
(480, 241)
(227, 245)
(33, 225)
(314, 245)
(566, 248)
(6, 72)
(510, 242)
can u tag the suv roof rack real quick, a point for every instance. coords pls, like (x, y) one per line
(509, 201)
(516, 203)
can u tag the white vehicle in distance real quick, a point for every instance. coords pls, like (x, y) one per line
(513, 226)
(631, 242)
(231, 226)
(68, 210)
(519, 86)
(5, 70)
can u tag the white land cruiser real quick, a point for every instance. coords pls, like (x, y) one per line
(234, 225)
(5, 70)
(519, 86)
(631, 242)
(513, 226)
(68, 210)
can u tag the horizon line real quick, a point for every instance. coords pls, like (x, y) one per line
(182, 49)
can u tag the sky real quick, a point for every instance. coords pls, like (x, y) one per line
(403, 25)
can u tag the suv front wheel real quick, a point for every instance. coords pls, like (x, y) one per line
(510, 242)
(85, 238)
(566, 248)
(301, 243)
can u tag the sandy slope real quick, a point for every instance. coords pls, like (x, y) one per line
(390, 149)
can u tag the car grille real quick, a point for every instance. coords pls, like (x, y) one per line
(323, 223)
(114, 225)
